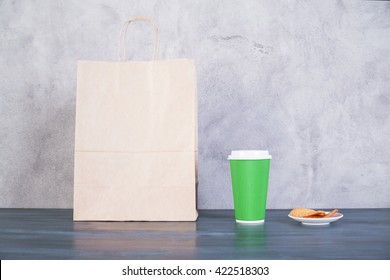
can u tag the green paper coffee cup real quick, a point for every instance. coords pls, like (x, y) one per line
(250, 171)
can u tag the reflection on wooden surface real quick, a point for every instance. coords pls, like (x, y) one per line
(134, 226)
(250, 236)
(148, 239)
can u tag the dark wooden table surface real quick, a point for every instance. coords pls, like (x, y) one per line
(51, 234)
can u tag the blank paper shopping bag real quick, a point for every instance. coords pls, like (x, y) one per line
(136, 140)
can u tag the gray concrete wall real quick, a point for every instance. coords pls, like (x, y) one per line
(307, 80)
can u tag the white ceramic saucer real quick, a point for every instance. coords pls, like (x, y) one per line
(318, 221)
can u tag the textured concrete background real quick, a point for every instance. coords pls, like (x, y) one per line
(308, 80)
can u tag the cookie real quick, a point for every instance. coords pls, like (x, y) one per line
(331, 213)
(319, 213)
(302, 212)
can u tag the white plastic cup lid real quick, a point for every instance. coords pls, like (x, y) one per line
(249, 154)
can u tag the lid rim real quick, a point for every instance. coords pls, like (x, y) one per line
(249, 155)
(242, 158)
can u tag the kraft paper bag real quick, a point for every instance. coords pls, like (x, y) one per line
(136, 139)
